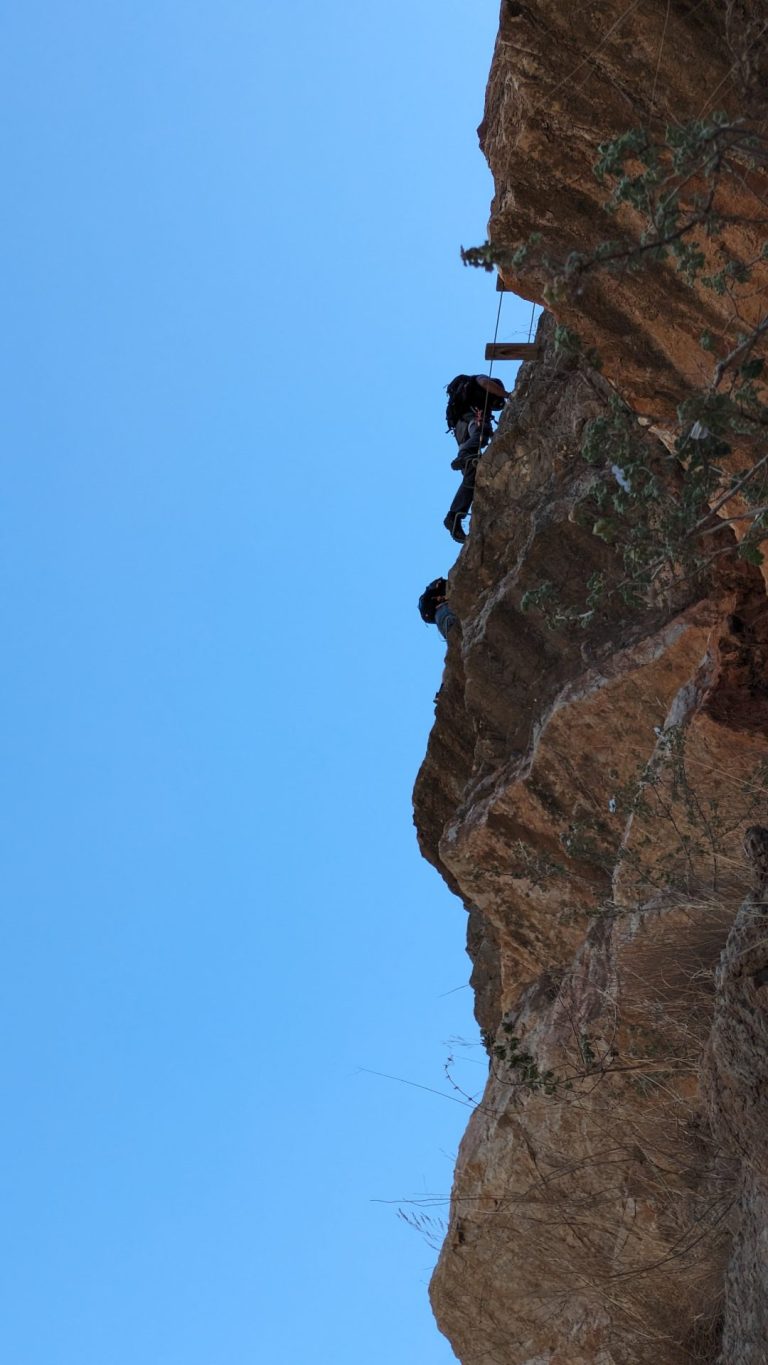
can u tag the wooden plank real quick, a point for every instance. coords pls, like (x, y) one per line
(511, 350)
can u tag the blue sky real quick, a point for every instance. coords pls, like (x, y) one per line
(232, 298)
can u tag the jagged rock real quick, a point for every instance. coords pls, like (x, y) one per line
(586, 792)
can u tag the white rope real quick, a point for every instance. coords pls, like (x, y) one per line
(490, 372)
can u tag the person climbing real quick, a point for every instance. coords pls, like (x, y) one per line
(434, 609)
(472, 400)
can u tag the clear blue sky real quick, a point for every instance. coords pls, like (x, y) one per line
(231, 299)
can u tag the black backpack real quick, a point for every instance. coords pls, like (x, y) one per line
(429, 600)
(464, 394)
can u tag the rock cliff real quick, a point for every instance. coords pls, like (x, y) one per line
(588, 783)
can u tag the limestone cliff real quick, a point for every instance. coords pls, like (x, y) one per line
(586, 789)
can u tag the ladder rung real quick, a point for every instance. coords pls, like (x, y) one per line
(511, 350)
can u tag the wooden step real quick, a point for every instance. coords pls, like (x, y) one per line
(511, 350)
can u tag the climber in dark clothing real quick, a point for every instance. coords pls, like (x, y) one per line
(434, 609)
(472, 399)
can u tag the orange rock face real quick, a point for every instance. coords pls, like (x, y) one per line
(586, 788)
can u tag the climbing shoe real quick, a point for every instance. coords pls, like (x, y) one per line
(453, 524)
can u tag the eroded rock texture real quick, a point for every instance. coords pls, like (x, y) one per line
(586, 791)
(735, 1076)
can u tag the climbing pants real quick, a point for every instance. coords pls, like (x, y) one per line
(463, 500)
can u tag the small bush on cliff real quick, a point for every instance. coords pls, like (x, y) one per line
(527, 1072)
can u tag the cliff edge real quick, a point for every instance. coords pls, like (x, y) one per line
(600, 743)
